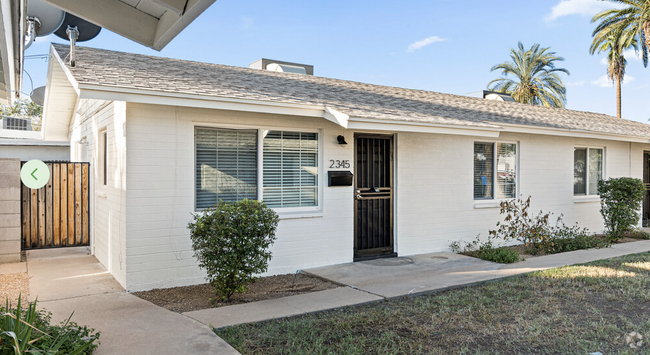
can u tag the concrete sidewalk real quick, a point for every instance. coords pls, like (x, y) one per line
(69, 280)
(376, 280)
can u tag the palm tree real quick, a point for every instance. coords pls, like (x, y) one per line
(634, 18)
(615, 42)
(538, 80)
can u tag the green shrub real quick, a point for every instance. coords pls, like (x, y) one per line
(619, 205)
(565, 238)
(231, 242)
(485, 250)
(503, 255)
(28, 331)
(639, 234)
(520, 224)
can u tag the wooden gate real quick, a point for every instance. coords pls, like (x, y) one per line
(373, 194)
(57, 214)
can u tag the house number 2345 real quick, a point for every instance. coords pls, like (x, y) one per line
(340, 164)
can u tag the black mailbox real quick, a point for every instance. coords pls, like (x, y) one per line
(339, 178)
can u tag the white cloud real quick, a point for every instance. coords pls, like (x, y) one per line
(577, 7)
(631, 54)
(604, 81)
(424, 42)
(576, 83)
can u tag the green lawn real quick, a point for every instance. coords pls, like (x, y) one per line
(571, 310)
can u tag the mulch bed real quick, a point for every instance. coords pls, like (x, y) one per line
(191, 298)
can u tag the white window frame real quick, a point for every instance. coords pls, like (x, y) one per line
(586, 195)
(494, 201)
(102, 157)
(286, 212)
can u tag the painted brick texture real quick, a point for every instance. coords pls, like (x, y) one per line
(10, 238)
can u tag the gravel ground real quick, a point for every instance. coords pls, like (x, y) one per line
(12, 285)
(190, 298)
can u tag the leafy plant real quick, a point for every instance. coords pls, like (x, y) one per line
(565, 238)
(24, 108)
(503, 255)
(620, 201)
(519, 224)
(231, 242)
(485, 250)
(28, 331)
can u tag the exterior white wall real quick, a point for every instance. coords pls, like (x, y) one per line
(160, 198)
(434, 202)
(40, 152)
(108, 203)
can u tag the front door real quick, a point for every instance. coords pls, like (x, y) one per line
(646, 182)
(373, 194)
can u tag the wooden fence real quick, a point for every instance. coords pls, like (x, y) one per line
(57, 215)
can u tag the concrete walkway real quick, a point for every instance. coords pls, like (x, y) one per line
(376, 280)
(69, 280)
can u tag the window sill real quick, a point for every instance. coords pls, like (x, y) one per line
(300, 215)
(586, 199)
(487, 204)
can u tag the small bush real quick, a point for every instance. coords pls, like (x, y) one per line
(519, 224)
(639, 234)
(26, 330)
(619, 205)
(567, 238)
(503, 255)
(231, 242)
(485, 250)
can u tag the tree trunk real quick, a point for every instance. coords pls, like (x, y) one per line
(618, 97)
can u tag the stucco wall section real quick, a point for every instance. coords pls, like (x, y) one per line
(160, 199)
(108, 233)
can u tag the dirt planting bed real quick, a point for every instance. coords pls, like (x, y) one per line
(191, 298)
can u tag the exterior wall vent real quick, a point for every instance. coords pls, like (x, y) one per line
(16, 124)
(281, 66)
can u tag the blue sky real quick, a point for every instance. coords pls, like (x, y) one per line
(439, 45)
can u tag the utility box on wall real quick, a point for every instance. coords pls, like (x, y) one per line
(339, 178)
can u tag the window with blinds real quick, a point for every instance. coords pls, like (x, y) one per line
(290, 169)
(495, 170)
(483, 162)
(587, 170)
(226, 165)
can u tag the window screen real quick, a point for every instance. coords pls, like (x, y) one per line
(226, 166)
(506, 170)
(595, 169)
(483, 162)
(579, 171)
(290, 169)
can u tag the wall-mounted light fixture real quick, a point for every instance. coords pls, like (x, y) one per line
(83, 141)
(341, 141)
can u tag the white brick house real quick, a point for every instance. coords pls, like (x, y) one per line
(166, 138)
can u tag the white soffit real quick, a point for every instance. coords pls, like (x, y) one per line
(153, 23)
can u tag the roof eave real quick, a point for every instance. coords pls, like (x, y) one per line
(568, 132)
(61, 96)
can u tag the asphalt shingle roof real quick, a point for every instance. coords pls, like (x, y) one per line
(135, 71)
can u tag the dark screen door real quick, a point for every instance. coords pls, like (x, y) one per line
(373, 195)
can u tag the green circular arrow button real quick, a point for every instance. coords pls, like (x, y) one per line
(34, 174)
